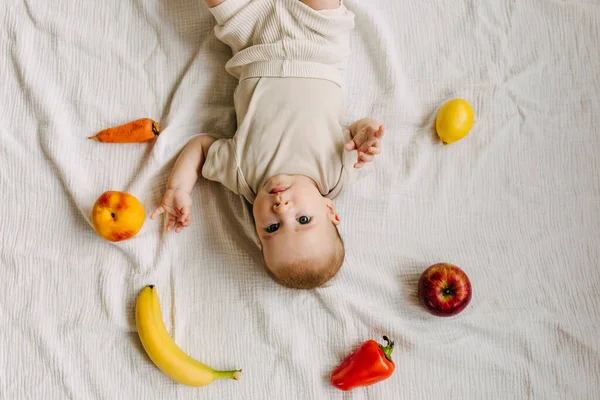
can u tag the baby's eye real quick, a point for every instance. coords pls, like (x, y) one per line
(272, 228)
(304, 220)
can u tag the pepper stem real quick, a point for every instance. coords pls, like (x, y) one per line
(388, 348)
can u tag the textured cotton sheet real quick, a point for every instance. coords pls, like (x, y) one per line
(516, 205)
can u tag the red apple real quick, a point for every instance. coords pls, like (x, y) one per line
(444, 289)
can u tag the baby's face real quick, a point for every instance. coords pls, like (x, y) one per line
(293, 220)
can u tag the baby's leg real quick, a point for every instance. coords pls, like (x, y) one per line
(321, 4)
(213, 3)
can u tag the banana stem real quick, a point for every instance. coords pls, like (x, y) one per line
(234, 374)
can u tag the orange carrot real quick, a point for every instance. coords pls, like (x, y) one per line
(137, 131)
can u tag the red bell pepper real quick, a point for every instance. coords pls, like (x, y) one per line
(369, 364)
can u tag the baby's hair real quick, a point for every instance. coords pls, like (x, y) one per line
(310, 273)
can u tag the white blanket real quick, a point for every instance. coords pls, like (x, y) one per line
(516, 204)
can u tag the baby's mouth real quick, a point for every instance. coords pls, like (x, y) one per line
(278, 189)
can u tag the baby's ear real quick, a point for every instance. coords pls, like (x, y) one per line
(331, 213)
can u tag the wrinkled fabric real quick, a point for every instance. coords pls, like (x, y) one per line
(516, 205)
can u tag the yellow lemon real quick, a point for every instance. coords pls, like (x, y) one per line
(454, 120)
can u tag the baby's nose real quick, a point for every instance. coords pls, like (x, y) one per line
(282, 205)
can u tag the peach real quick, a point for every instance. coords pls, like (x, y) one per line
(117, 216)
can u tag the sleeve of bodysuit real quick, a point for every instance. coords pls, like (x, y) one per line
(221, 164)
(329, 32)
(236, 20)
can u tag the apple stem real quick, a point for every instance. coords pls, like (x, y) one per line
(388, 348)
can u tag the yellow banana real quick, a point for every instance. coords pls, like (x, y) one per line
(163, 351)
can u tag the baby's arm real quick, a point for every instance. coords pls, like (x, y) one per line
(177, 202)
(321, 4)
(213, 3)
(189, 163)
(366, 137)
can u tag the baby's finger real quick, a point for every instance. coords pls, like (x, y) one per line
(365, 157)
(374, 150)
(367, 144)
(361, 136)
(358, 165)
(380, 132)
(377, 144)
(157, 212)
(185, 214)
(170, 224)
(179, 228)
(350, 145)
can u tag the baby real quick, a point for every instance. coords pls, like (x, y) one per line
(287, 157)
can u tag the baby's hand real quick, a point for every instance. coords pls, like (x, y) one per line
(366, 140)
(178, 205)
